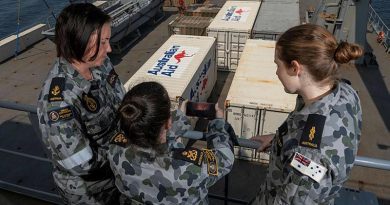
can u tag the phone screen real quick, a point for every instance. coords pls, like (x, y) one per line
(201, 109)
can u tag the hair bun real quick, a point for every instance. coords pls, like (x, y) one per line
(131, 112)
(346, 52)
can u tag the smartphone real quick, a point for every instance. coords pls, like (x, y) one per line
(201, 109)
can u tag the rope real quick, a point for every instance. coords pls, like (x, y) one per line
(17, 31)
(51, 10)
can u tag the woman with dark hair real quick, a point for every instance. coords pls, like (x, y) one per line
(146, 170)
(77, 106)
(313, 151)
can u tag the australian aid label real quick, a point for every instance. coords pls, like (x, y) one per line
(236, 14)
(174, 62)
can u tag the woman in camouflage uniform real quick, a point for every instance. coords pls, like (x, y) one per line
(313, 152)
(147, 171)
(77, 106)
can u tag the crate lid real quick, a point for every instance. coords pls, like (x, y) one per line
(191, 22)
(174, 63)
(236, 15)
(277, 16)
(255, 83)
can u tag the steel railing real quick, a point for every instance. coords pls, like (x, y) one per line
(359, 161)
(378, 25)
(18, 186)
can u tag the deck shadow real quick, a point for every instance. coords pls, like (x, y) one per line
(373, 80)
(24, 167)
(20, 137)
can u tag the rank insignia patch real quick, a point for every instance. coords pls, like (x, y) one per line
(191, 154)
(56, 87)
(90, 103)
(119, 139)
(312, 133)
(112, 77)
(212, 164)
(60, 114)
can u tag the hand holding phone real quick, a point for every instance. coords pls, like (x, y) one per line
(201, 109)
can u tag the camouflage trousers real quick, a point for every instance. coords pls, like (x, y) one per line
(75, 190)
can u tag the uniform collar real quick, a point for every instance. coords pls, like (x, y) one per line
(320, 106)
(68, 69)
(148, 154)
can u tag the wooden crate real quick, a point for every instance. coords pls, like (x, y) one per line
(208, 10)
(175, 3)
(189, 25)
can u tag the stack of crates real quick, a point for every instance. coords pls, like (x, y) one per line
(207, 10)
(256, 103)
(274, 18)
(232, 27)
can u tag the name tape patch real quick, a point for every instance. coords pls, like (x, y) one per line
(61, 114)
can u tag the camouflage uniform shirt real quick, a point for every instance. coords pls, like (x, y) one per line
(177, 176)
(75, 117)
(331, 141)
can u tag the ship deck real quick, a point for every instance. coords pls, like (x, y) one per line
(21, 78)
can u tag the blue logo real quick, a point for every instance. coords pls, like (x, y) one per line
(201, 82)
(159, 67)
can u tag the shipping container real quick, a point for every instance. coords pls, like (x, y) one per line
(189, 25)
(184, 65)
(206, 10)
(274, 18)
(256, 103)
(232, 27)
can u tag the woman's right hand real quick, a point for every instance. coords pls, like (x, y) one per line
(264, 140)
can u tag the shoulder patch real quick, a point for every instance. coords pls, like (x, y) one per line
(112, 77)
(312, 133)
(56, 87)
(60, 114)
(190, 154)
(212, 164)
(308, 167)
(90, 103)
(119, 139)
